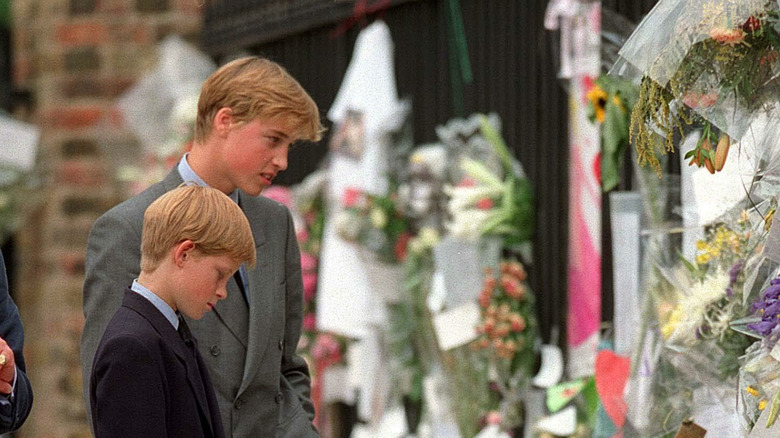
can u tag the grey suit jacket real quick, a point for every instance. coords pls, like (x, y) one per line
(262, 385)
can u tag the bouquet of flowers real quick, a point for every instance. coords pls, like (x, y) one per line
(508, 336)
(691, 354)
(702, 62)
(610, 101)
(487, 202)
(377, 223)
(701, 314)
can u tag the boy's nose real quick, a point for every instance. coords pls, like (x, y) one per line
(280, 158)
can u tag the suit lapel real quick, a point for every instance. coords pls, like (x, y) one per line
(174, 341)
(261, 293)
(233, 313)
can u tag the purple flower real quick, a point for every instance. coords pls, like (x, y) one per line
(768, 307)
(735, 271)
(772, 309)
(760, 305)
(764, 326)
(772, 292)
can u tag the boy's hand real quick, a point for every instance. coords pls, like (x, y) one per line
(7, 368)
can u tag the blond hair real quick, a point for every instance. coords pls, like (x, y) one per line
(204, 215)
(257, 88)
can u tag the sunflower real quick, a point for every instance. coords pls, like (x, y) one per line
(598, 100)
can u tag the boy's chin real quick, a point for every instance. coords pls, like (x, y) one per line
(194, 315)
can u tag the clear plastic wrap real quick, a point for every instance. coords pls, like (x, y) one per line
(718, 57)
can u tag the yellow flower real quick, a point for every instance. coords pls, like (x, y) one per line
(598, 98)
(750, 389)
(762, 405)
(674, 318)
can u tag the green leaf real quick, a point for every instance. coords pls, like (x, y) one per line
(774, 410)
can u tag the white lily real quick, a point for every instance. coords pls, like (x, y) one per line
(468, 223)
(481, 173)
(464, 197)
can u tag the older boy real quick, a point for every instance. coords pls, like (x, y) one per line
(249, 113)
(147, 379)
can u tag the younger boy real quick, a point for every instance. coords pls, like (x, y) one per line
(148, 380)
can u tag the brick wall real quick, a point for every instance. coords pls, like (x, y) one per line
(75, 57)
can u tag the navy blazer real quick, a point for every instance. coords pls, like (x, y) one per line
(145, 381)
(11, 330)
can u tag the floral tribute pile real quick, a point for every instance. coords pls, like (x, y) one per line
(469, 189)
(707, 74)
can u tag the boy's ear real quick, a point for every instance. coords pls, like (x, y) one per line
(223, 120)
(183, 251)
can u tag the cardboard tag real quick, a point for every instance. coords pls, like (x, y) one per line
(689, 429)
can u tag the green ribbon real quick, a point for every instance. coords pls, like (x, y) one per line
(460, 65)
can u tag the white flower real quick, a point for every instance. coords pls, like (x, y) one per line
(464, 197)
(467, 224)
(347, 226)
(694, 305)
(378, 218)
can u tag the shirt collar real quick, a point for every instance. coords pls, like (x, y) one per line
(158, 302)
(189, 176)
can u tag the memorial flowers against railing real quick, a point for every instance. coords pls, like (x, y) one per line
(702, 62)
(489, 215)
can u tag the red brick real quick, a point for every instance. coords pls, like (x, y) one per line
(143, 34)
(81, 173)
(72, 263)
(82, 34)
(116, 118)
(77, 86)
(72, 118)
(22, 70)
